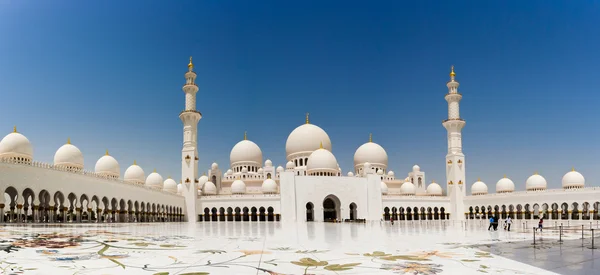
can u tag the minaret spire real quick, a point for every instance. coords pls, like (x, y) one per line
(455, 159)
(189, 153)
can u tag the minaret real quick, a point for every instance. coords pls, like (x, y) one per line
(455, 159)
(189, 154)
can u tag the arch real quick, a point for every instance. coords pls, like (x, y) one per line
(310, 212)
(536, 211)
(575, 211)
(554, 210)
(519, 211)
(214, 214)
(415, 213)
(422, 213)
(206, 214)
(527, 212)
(261, 215)
(436, 215)
(222, 214)
(597, 211)
(386, 213)
(401, 214)
(443, 213)
(564, 215)
(511, 211)
(394, 214)
(229, 214)
(28, 207)
(353, 211)
(429, 213)
(585, 211)
(238, 216)
(254, 215)
(545, 211)
(245, 216)
(331, 208)
(270, 214)
(409, 216)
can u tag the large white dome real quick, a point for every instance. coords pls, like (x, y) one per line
(170, 185)
(269, 186)
(154, 180)
(480, 188)
(322, 160)
(536, 183)
(370, 152)
(573, 179)
(434, 189)
(305, 139)
(109, 166)
(407, 189)
(209, 188)
(135, 174)
(245, 151)
(238, 187)
(68, 156)
(384, 188)
(16, 145)
(505, 185)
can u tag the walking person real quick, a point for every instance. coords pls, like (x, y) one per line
(540, 225)
(508, 223)
(491, 223)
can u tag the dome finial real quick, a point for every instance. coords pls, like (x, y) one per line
(106, 154)
(504, 175)
(134, 162)
(452, 73)
(535, 173)
(204, 174)
(573, 169)
(190, 65)
(154, 170)
(321, 145)
(15, 129)
(68, 140)
(478, 179)
(370, 137)
(245, 136)
(307, 122)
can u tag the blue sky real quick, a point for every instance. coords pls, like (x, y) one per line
(108, 74)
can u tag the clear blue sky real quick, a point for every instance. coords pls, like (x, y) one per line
(108, 74)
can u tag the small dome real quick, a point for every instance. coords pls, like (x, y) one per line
(290, 165)
(505, 185)
(279, 169)
(16, 145)
(170, 185)
(305, 139)
(480, 188)
(108, 166)
(245, 151)
(68, 156)
(434, 189)
(203, 179)
(245, 170)
(214, 166)
(260, 171)
(380, 172)
(268, 163)
(134, 174)
(322, 161)
(407, 189)
(384, 188)
(350, 174)
(391, 173)
(573, 179)
(536, 183)
(209, 188)
(370, 152)
(180, 189)
(238, 187)
(154, 180)
(199, 192)
(269, 186)
(416, 168)
(229, 171)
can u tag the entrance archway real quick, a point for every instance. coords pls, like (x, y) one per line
(310, 212)
(353, 211)
(331, 208)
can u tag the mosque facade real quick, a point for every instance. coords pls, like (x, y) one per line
(311, 186)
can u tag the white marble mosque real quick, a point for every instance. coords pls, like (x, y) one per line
(311, 186)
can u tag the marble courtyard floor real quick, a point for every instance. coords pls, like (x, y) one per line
(427, 248)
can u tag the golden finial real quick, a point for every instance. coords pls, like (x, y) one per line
(154, 170)
(321, 145)
(191, 65)
(204, 174)
(478, 179)
(15, 128)
(370, 137)
(535, 173)
(245, 136)
(504, 175)
(307, 122)
(68, 140)
(169, 177)
(106, 154)
(433, 181)
(134, 162)
(452, 73)
(573, 169)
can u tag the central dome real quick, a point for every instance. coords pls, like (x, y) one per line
(305, 139)
(370, 152)
(245, 151)
(68, 156)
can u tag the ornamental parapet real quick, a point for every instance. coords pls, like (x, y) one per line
(43, 165)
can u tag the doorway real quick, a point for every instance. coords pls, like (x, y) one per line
(310, 212)
(353, 211)
(331, 208)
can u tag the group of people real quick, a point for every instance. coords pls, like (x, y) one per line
(494, 223)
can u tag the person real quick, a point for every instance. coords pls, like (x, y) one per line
(392, 221)
(491, 223)
(508, 223)
(540, 224)
(495, 223)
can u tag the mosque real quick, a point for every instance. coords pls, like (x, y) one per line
(311, 186)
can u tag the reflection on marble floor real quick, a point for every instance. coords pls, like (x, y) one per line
(425, 248)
